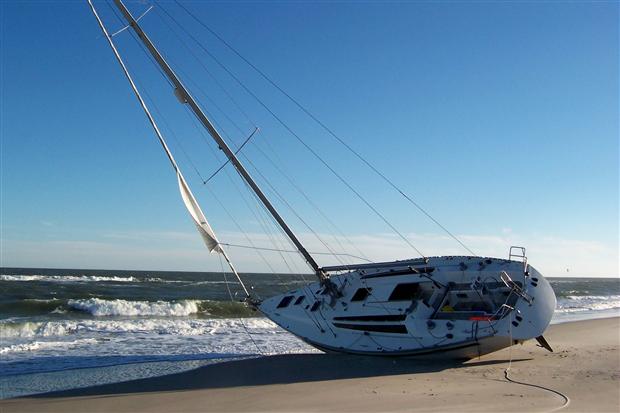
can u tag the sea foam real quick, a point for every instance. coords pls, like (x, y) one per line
(39, 345)
(14, 329)
(579, 303)
(66, 278)
(99, 307)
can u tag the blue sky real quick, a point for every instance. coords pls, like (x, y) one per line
(500, 118)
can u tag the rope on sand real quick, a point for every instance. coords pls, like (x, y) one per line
(557, 392)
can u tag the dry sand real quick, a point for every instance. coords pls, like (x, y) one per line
(585, 366)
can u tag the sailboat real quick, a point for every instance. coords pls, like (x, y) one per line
(450, 306)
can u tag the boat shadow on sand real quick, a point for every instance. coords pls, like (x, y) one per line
(278, 369)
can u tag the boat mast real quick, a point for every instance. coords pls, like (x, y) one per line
(185, 191)
(185, 97)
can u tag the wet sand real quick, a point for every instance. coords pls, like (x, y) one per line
(585, 367)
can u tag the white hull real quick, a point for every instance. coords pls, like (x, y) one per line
(455, 307)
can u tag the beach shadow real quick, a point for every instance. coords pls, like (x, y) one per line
(277, 369)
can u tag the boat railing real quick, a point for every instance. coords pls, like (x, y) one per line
(518, 254)
(514, 287)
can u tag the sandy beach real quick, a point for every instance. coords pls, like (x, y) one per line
(585, 367)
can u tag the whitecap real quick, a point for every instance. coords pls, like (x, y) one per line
(66, 278)
(40, 345)
(99, 307)
(578, 303)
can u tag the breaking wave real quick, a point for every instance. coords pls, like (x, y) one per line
(580, 303)
(69, 278)
(99, 307)
(185, 327)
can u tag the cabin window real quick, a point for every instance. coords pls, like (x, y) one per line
(384, 317)
(405, 292)
(285, 301)
(315, 306)
(379, 328)
(299, 299)
(361, 294)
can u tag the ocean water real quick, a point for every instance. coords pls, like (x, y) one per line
(68, 328)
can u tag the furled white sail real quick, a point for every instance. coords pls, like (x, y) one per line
(207, 234)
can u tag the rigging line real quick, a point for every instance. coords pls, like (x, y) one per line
(242, 132)
(170, 130)
(231, 299)
(262, 221)
(309, 200)
(291, 251)
(201, 63)
(252, 192)
(176, 138)
(128, 26)
(296, 136)
(245, 235)
(292, 181)
(276, 238)
(197, 87)
(153, 102)
(293, 210)
(135, 90)
(212, 102)
(158, 133)
(259, 219)
(310, 314)
(116, 14)
(271, 161)
(212, 193)
(283, 174)
(267, 219)
(204, 182)
(327, 129)
(298, 217)
(185, 97)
